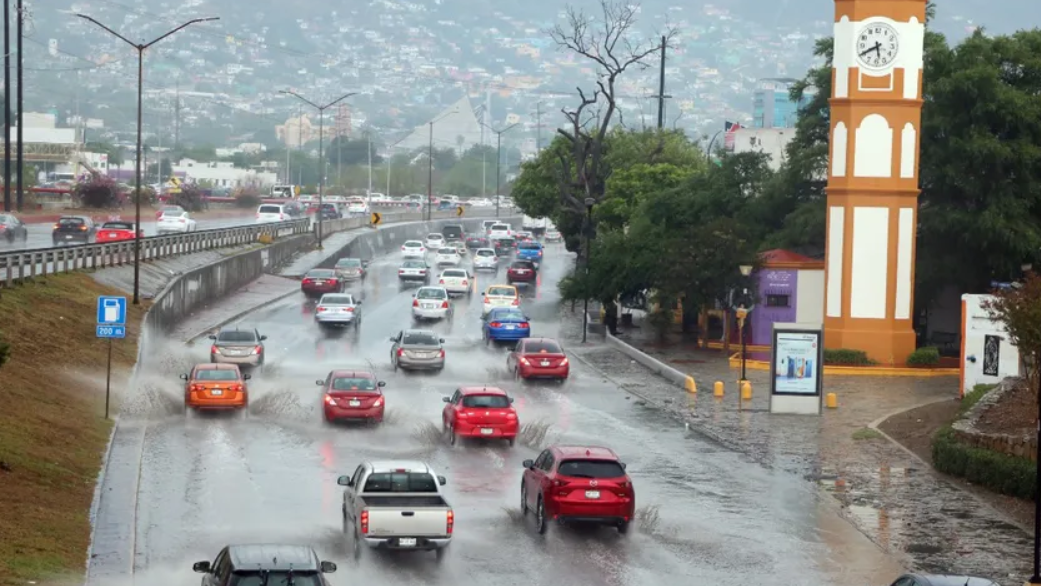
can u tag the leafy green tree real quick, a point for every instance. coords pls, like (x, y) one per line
(348, 152)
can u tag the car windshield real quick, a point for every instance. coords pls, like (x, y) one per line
(175, 214)
(506, 241)
(321, 274)
(521, 265)
(237, 336)
(329, 206)
(431, 293)
(500, 314)
(217, 374)
(353, 384)
(420, 339)
(530, 246)
(454, 274)
(447, 251)
(541, 347)
(413, 244)
(414, 264)
(270, 210)
(485, 252)
(500, 227)
(70, 222)
(435, 237)
(400, 482)
(348, 263)
(337, 300)
(274, 578)
(591, 469)
(118, 226)
(502, 292)
(486, 401)
(173, 210)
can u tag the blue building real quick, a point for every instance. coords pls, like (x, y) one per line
(773, 108)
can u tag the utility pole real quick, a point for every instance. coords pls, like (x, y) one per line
(538, 127)
(661, 87)
(7, 106)
(430, 171)
(21, 161)
(368, 137)
(300, 143)
(177, 114)
(498, 162)
(339, 156)
(484, 164)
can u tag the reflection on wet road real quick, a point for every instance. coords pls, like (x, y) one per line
(708, 516)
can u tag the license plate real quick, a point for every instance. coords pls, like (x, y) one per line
(112, 235)
(216, 392)
(545, 363)
(429, 306)
(319, 282)
(592, 494)
(355, 403)
(510, 327)
(486, 431)
(68, 236)
(407, 542)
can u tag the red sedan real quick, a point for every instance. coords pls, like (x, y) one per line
(579, 485)
(484, 412)
(352, 395)
(318, 282)
(538, 358)
(521, 271)
(116, 232)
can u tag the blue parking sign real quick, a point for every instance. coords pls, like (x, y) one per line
(112, 311)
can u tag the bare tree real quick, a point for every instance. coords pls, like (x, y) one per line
(606, 42)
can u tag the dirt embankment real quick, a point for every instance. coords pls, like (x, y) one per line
(52, 427)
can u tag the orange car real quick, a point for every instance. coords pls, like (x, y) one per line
(215, 386)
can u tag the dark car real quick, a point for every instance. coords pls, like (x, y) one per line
(318, 282)
(475, 241)
(73, 229)
(521, 271)
(11, 228)
(254, 565)
(329, 211)
(452, 232)
(505, 246)
(295, 209)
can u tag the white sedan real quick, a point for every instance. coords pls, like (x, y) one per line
(435, 241)
(413, 249)
(175, 222)
(485, 258)
(431, 303)
(448, 256)
(456, 282)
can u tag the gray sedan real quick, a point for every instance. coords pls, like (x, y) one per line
(242, 346)
(417, 350)
(338, 309)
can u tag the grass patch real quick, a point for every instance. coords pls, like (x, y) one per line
(972, 397)
(52, 426)
(866, 433)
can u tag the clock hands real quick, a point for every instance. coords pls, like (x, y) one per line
(877, 49)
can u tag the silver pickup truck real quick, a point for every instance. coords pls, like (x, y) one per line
(396, 505)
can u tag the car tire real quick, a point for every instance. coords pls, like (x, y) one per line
(9, 235)
(524, 500)
(623, 527)
(357, 546)
(541, 522)
(453, 437)
(511, 441)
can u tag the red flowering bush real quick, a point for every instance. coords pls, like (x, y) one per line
(98, 192)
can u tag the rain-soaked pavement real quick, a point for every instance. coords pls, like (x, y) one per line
(709, 515)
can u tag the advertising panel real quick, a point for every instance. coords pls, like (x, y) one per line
(797, 362)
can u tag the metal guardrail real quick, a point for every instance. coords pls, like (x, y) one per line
(20, 265)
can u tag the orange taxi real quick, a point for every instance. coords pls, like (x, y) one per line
(215, 387)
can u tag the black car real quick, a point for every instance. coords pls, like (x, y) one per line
(73, 229)
(505, 246)
(475, 241)
(452, 231)
(11, 228)
(329, 211)
(254, 565)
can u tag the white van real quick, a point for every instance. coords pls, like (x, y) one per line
(272, 212)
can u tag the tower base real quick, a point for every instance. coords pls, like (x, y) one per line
(886, 347)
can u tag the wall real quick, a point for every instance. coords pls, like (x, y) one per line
(987, 356)
(810, 306)
(1022, 445)
(773, 282)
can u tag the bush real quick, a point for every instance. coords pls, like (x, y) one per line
(98, 192)
(247, 197)
(926, 356)
(190, 198)
(1001, 473)
(5, 352)
(844, 357)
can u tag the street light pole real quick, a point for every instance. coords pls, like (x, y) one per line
(430, 171)
(321, 149)
(743, 308)
(590, 202)
(140, 47)
(498, 160)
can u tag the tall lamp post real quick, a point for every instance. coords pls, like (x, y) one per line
(743, 308)
(590, 202)
(430, 161)
(321, 151)
(140, 47)
(498, 161)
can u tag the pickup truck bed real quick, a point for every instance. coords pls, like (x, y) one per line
(406, 516)
(405, 501)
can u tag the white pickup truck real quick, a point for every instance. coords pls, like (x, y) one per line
(536, 226)
(396, 505)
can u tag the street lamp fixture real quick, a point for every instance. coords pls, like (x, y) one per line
(746, 270)
(590, 202)
(321, 152)
(498, 162)
(140, 47)
(1026, 267)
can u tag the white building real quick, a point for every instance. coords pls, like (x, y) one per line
(224, 174)
(770, 141)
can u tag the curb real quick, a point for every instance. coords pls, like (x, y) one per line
(240, 314)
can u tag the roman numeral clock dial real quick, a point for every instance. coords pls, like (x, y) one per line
(877, 46)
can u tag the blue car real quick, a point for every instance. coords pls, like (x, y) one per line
(505, 324)
(530, 251)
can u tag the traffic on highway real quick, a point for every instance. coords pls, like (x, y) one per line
(465, 446)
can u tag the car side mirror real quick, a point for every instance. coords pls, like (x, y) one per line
(393, 339)
(262, 338)
(201, 567)
(247, 376)
(212, 337)
(381, 383)
(357, 302)
(184, 377)
(482, 294)
(344, 481)
(528, 464)
(446, 399)
(320, 383)
(442, 480)
(442, 340)
(622, 464)
(328, 567)
(512, 400)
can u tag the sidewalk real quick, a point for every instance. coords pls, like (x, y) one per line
(891, 496)
(264, 291)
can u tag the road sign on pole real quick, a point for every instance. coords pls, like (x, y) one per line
(459, 210)
(376, 218)
(112, 323)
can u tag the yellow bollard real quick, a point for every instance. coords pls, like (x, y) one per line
(690, 385)
(746, 391)
(831, 401)
(717, 389)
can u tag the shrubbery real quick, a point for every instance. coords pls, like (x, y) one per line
(926, 356)
(1001, 473)
(5, 351)
(247, 197)
(99, 192)
(190, 198)
(844, 357)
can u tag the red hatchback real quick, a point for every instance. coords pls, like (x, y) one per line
(318, 282)
(117, 232)
(579, 485)
(352, 395)
(538, 358)
(485, 412)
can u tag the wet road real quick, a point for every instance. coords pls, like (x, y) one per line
(40, 234)
(709, 515)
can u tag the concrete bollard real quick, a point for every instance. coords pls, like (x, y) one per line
(746, 391)
(831, 401)
(717, 389)
(690, 385)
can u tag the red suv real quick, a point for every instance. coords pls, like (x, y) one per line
(579, 485)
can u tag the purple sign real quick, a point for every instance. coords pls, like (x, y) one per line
(776, 303)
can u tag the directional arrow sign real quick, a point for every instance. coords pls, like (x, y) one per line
(376, 218)
(459, 210)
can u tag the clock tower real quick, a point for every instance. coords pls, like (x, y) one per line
(872, 192)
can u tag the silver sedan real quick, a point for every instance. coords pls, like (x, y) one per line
(417, 350)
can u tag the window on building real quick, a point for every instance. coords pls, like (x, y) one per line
(777, 301)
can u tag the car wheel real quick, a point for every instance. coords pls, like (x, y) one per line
(9, 235)
(511, 441)
(541, 523)
(517, 374)
(453, 438)
(524, 499)
(358, 547)
(623, 527)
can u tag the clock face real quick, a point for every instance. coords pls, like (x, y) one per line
(877, 46)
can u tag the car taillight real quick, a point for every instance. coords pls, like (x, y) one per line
(523, 324)
(350, 309)
(214, 349)
(378, 403)
(495, 324)
(401, 352)
(444, 305)
(511, 415)
(320, 309)
(258, 216)
(516, 301)
(540, 253)
(56, 226)
(415, 303)
(307, 281)
(524, 361)
(281, 216)
(329, 400)
(364, 521)
(403, 249)
(442, 353)
(197, 387)
(465, 283)
(450, 522)
(559, 483)
(83, 228)
(401, 271)
(257, 350)
(441, 282)
(564, 362)
(181, 220)
(236, 388)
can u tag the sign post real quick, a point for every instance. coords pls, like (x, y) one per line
(111, 324)
(797, 369)
(459, 210)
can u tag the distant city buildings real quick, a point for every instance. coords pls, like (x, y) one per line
(772, 106)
